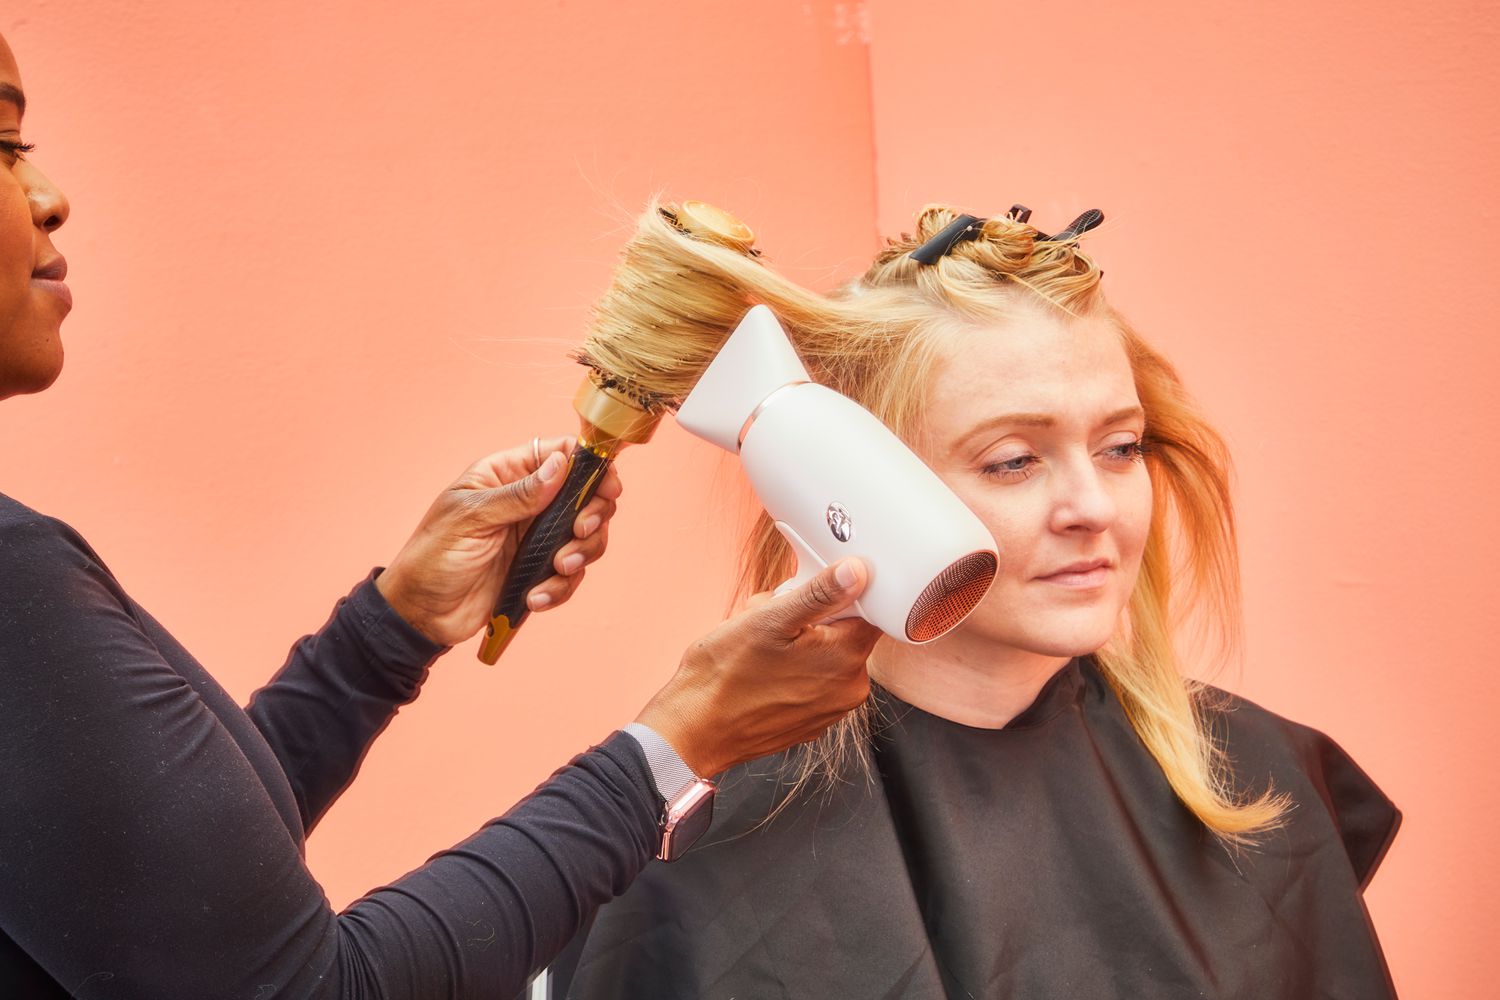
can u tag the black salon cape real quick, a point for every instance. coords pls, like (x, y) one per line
(1045, 859)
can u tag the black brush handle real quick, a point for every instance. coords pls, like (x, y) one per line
(533, 562)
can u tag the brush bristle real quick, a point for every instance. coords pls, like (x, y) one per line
(646, 400)
(672, 304)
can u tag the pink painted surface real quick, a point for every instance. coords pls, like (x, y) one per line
(1302, 213)
(324, 258)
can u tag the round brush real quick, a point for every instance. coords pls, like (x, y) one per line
(623, 396)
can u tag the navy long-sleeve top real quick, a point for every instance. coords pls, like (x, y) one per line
(151, 830)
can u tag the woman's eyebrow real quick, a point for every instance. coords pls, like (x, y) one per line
(12, 93)
(1124, 413)
(1037, 420)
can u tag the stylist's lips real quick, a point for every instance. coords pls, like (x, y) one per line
(49, 278)
(1080, 575)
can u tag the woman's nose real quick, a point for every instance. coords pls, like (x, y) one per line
(49, 206)
(1083, 502)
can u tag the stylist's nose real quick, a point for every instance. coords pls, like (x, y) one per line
(1082, 503)
(49, 206)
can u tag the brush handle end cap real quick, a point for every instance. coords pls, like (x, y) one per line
(496, 637)
(708, 222)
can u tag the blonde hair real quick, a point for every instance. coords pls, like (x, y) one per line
(877, 340)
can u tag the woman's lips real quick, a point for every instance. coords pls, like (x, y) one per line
(55, 287)
(49, 278)
(1080, 576)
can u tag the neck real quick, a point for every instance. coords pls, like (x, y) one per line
(963, 678)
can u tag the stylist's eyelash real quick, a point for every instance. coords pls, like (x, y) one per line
(16, 150)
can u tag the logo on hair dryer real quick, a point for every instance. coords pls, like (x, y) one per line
(840, 523)
(931, 560)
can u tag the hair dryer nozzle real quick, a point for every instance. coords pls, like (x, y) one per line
(754, 362)
(947, 600)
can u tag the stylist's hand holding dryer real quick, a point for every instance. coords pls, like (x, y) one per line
(152, 830)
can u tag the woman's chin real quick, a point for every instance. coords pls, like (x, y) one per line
(1074, 632)
(30, 378)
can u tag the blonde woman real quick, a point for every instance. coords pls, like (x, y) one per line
(1040, 804)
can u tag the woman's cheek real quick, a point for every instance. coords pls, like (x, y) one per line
(995, 519)
(1131, 532)
(16, 249)
(1011, 523)
(1140, 517)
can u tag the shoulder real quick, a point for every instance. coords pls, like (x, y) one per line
(1264, 739)
(26, 533)
(763, 830)
(1269, 750)
(1254, 729)
(14, 513)
(32, 541)
(754, 829)
(45, 564)
(766, 886)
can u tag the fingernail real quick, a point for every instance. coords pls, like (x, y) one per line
(537, 602)
(589, 526)
(551, 467)
(844, 574)
(572, 562)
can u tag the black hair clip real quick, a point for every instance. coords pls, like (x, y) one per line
(1088, 220)
(965, 227)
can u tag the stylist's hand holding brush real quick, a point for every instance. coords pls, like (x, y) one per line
(770, 677)
(446, 577)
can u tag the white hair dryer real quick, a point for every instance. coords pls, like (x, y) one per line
(838, 483)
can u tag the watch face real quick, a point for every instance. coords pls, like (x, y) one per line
(688, 817)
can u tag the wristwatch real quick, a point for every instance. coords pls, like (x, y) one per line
(685, 818)
(687, 800)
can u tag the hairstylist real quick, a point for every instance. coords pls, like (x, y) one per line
(151, 831)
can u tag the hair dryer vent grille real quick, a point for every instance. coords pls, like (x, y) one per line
(951, 596)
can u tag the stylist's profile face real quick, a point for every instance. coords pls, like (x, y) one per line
(33, 298)
(1036, 425)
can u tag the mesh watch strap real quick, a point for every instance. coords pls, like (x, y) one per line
(668, 771)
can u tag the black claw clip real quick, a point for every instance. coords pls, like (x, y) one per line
(965, 227)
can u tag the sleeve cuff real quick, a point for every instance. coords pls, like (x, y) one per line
(389, 638)
(669, 773)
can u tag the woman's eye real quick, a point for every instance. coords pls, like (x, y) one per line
(13, 150)
(1130, 451)
(1020, 467)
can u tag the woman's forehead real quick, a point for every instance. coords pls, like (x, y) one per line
(10, 75)
(1054, 372)
(1035, 352)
